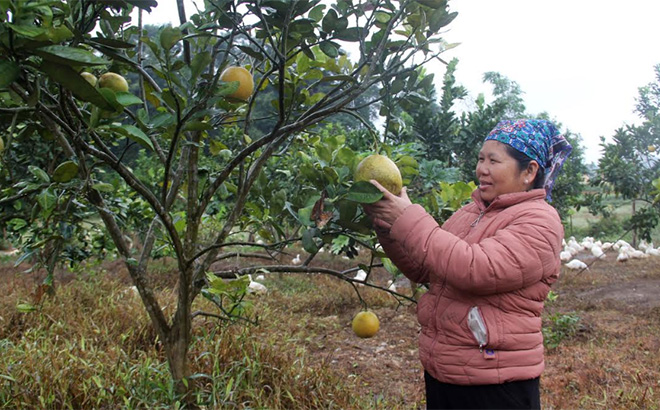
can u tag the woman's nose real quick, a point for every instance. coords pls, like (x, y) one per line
(481, 169)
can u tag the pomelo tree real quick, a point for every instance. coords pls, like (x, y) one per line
(172, 166)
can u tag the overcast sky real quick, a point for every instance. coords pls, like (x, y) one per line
(582, 61)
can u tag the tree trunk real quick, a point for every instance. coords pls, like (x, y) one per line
(634, 233)
(176, 349)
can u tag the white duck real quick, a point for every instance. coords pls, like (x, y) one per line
(565, 255)
(256, 287)
(361, 275)
(576, 264)
(597, 251)
(296, 260)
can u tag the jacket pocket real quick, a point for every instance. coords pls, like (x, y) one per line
(478, 326)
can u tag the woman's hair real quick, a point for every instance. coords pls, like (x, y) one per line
(523, 162)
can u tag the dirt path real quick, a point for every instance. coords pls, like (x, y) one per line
(388, 364)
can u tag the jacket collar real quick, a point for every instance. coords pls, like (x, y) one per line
(506, 200)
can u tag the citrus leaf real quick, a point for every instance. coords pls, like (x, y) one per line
(71, 80)
(144, 4)
(65, 172)
(103, 187)
(39, 173)
(28, 31)
(340, 77)
(308, 242)
(169, 37)
(252, 52)
(9, 72)
(329, 48)
(46, 199)
(136, 134)
(198, 64)
(364, 192)
(69, 55)
(316, 13)
(126, 99)
(110, 42)
(59, 34)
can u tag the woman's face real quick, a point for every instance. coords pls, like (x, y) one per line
(498, 172)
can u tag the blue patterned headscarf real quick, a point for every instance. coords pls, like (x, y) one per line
(538, 139)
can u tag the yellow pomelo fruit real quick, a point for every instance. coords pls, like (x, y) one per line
(651, 148)
(365, 324)
(89, 77)
(382, 169)
(243, 76)
(113, 81)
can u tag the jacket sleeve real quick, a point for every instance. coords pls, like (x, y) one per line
(408, 266)
(519, 254)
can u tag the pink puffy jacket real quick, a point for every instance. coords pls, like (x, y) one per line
(489, 270)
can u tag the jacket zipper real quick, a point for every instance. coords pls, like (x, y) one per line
(476, 221)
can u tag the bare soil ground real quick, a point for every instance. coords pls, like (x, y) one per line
(618, 305)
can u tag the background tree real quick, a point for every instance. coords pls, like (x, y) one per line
(213, 164)
(629, 164)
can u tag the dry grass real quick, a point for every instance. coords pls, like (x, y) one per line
(91, 346)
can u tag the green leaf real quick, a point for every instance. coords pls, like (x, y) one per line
(59, 34)
(340, 77)
(198, 126)
(329, 48)
(364, 192)
(308, 242)
(351, 34)
(143, 4)
(25, 308)
(46, 199)
(126, 99)
(169, 36)
(111, 42)
(136, 134)
(345, 156)
(69, 55)
(16, 224)
(252, 52)
(200, 62)
(28, 31)
(103, 187)
(71, 80)
(65, 172)
(39, 173)
(330, 21)
(390, 267)
(316, 13)
(434, 4)
(9, 72)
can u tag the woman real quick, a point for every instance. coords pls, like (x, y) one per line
(490, 267)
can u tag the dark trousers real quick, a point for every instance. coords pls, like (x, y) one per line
(524, 394)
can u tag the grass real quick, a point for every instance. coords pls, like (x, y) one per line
(91, 346)
(583, 223)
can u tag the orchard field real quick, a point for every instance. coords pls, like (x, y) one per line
(147, 171)
(91, 345)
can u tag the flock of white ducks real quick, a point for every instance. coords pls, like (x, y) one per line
(600, 250)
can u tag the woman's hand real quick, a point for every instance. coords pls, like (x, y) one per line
(384, 212)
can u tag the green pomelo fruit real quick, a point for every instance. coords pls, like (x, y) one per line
(113, 81)
(383, 170)
(89, 77)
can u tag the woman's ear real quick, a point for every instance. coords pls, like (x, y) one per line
(532, 170)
